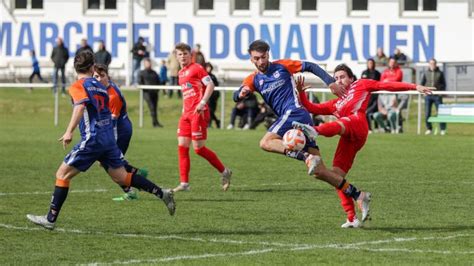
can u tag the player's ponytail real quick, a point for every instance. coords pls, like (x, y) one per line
(83, 61)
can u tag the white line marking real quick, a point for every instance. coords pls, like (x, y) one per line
(196, 239)
(352, 246)
(50, 192)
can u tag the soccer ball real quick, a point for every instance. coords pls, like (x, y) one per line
(294, 140)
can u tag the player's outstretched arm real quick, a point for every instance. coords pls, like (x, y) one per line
(337, 90)
(326, 108)
(76, 117)
(397, 86)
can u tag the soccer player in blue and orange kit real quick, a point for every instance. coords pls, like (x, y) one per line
(274, 82)
(92, 114)
(122, 125)
(351, 123)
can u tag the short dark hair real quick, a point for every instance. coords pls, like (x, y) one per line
(260, 46)
(345, 68)
(83, 61)
(183, 47)
(101, 68)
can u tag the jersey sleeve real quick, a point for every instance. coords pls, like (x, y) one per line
(326, 108)
(293, 66)
(78, 94)
(373, 85)
(115, 103)
(203, 75)
(248, 81)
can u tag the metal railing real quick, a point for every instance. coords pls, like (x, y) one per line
(223, 91)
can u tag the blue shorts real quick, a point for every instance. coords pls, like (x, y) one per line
(124, 134)
(283, 124)
(85, 153)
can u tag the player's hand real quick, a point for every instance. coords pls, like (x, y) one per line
(244, 92)
(200, 108)
(66, 139)
(337, 89)
(300, 87)
(425, 90)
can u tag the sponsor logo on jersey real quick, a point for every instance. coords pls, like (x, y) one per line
(274, 85)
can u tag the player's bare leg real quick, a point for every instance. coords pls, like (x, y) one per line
(272, 142)
(64, 174)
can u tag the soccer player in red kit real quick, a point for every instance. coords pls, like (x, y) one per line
(197, 87)
(351, 123)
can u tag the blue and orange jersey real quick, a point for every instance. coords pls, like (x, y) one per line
(277, 85)
(97, 117)
(117, 104)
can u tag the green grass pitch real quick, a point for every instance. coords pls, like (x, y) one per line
(274, 213)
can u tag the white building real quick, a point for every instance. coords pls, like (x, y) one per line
(325, 31)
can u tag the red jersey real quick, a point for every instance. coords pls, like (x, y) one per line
(193, 80)
(391, 75)
(355, 100)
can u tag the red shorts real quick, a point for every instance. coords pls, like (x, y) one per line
(194, 126)
(351, 141)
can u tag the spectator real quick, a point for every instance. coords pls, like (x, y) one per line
(138, 51)
(173, 67)
(400, 57)
(371, 73)
(387, 111)
(380, 58)
(212, 103)
(198, 56)
(163, 75)
(266, 115)
(393, 72)
(36, 68)
(247, 109)
(59, 56)
(433, 77)
(102, 56)
(84, 46)
(148, 76)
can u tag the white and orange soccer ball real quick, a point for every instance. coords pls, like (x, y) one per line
(294, 140)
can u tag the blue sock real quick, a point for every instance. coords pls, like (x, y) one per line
(59, 196)
(349, 189)
(142, 183)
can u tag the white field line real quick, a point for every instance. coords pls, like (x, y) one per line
(353, 246)
(283, 247)
(107, 190)
(50, 192)
(165, 237)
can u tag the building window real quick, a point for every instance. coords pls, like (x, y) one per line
(271, 5)
(309, 5)
(360, 5)
(206, 4)
(241, 4)
(28, 4)
(157, 5)
(420, 5)
(102, 4)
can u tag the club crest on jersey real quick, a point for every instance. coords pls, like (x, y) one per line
(260, 82)
(276, 74)
(188, 85)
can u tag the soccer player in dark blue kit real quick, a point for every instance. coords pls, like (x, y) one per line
(91, 112)
(122, 125)
(275, 83)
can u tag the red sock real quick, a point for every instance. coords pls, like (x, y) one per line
(184, 164)
(347, 204)
(329, 129)
(211, 157)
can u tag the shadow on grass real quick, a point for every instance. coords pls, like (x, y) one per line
(276, 190)
(217, 200)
